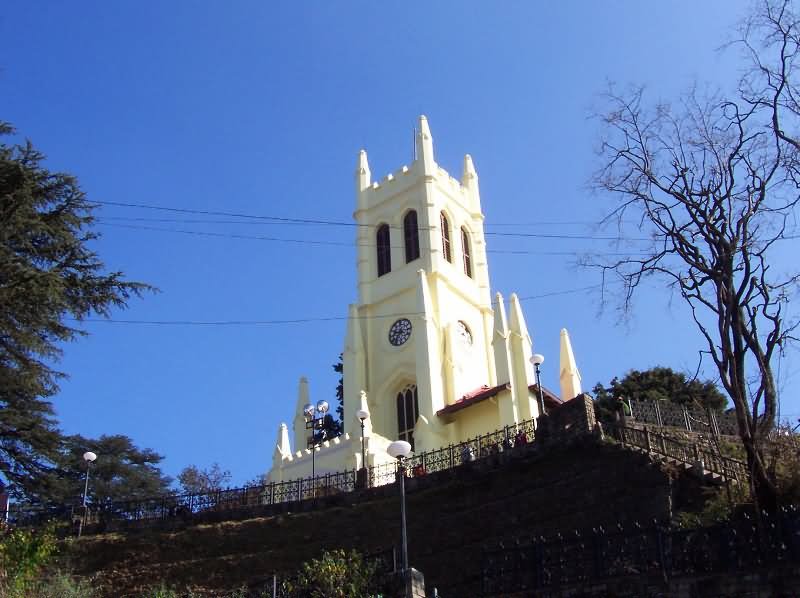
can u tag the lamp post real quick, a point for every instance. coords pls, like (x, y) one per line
(361, 415)
(314, 423)
(89, 457)
(537, 360)
(400, 450)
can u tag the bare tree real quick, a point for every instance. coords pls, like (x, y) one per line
(712, 183)
(194, 480)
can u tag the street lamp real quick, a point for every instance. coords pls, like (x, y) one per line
(89, 457)
(400, 450)
(537, 360)
(315, 423)
(361, 415)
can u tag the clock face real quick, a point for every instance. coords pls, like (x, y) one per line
(400, 332)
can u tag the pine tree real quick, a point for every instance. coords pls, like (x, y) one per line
(48, 277)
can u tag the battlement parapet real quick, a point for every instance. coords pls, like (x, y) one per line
(322, 447)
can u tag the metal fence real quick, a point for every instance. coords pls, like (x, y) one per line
(684, 452)
(512, 437)
(453, 455)
(186, 505)
(324, 485)
(665, 413)
(592, 556)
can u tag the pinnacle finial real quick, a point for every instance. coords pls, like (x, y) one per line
(517, 319)
(569, 376)
(500, 321)
(425, 145)
(362, 172)
(469, 171)
(423, 126)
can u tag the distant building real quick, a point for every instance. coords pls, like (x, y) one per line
(428, 354)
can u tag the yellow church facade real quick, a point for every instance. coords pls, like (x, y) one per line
(430, 356)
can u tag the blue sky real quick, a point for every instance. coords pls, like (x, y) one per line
(260, 108)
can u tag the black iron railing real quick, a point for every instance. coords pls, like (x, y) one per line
(329, 484)
(453, 455)
(684, 452)
(581, 557)
(666, 413)
(512, 437)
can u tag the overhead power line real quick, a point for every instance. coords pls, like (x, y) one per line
(335, 243)
(229, 214)
(305, 320)
(306, 221)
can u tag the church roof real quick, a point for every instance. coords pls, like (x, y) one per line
(485, 392)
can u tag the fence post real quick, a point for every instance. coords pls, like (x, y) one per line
(450, 449)
(686, 420)
(647, 440)
(658, 414)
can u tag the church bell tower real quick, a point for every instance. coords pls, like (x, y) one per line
(430, 356)
(421, 335)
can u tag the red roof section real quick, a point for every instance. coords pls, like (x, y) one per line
(472, 397)
(485, 392)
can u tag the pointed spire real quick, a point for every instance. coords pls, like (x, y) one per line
(362, 172)
(500, 338)
(425, 146)
(517, 322)
(520, 351)
(299, 421)
(354, 369)
(569, 376)
(500, 322)
(469, 181)
(302, 393)
(469, 174)
(283, 446)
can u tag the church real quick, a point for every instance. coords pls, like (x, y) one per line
(430, 356)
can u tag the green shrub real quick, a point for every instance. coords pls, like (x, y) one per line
(336, 574)
(60, 585)
(23, 555)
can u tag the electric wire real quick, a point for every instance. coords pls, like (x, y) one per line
(307, 320)
(344, 243)
(287, 220)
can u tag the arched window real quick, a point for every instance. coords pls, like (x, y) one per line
(384, 250)
(466, 252)
(448, 255)
(411, 235)
(407, 413)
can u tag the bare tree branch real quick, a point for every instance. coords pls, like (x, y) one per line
(713, 181)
